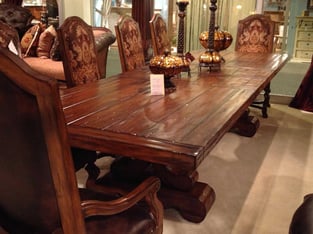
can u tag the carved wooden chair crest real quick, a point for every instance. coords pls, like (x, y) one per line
(8, 34)
(129, 42)
(159, 36)
(255, 34)
(40, 192)
(78, 51)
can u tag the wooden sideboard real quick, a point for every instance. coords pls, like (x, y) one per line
(303, 48)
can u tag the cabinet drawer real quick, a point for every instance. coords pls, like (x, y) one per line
(303, 35)
(303, 54)
(305, 45)
(305, 24)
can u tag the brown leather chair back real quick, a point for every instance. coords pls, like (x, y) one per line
(129, 42)
(39, 189)
(255, 34)
(78, 50)
(159, 36)
(36, 168)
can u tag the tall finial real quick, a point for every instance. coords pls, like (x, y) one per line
(211, 58)
(182, 4)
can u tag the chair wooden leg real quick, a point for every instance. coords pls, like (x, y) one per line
(266, 102)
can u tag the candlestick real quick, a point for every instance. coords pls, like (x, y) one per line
(182, 4)
(211, 58)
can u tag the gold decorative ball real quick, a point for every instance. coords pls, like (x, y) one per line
(222, 39)
(210, 57)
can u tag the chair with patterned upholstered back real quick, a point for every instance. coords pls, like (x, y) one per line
(39, 189)
(129, 42)
(81, 66)
(78, 50)
(9, 35)
(255, 34)
(159, 36)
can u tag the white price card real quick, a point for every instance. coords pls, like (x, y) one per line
(157, 84)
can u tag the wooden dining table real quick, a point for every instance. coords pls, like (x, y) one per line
(168, 135)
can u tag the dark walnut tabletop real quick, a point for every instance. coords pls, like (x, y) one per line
(119, 116)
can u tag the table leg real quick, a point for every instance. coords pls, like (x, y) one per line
(193, 205)
(247, 125)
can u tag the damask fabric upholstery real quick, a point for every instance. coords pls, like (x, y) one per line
(159, 35)
(45, 42)
(80, 58)
(255, 34)
(30, 40)
(303, 98)
(130, 43)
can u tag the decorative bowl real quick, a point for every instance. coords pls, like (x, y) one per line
(167, 64)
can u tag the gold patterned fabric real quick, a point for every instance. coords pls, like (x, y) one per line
(130, 44)
(159, 35)
(255, 34)
(78, 52)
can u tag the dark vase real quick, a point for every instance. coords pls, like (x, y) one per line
(52, 8)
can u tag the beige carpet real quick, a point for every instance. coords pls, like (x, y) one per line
(258, 181)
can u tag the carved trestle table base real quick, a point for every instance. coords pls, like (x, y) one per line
(183, 192)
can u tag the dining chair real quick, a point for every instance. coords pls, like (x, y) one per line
(80, 63)
(129, 43)
(159, 35)
(78, 52)
(40, 193)
(8, 35)
(255, 34)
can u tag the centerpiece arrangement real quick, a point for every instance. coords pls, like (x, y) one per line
(169, 65)
(212, 40)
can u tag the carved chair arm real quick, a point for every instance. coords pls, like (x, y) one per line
(147, 189)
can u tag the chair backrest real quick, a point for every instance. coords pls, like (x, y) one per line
(8, 34)
(129, 43)
(255, 34)
(39, 190)
(78, 50)
(159, 36)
